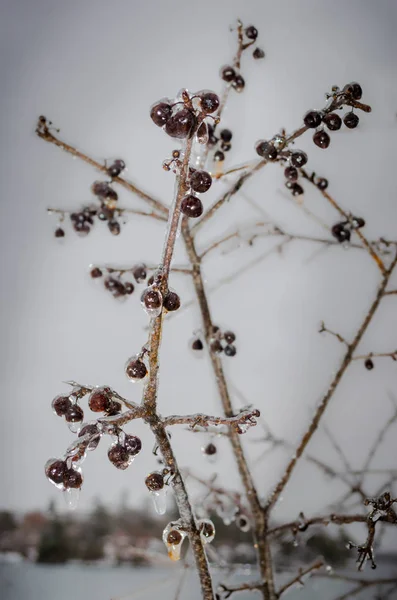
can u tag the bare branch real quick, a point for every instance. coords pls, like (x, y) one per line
(240, 422)
(298, 578)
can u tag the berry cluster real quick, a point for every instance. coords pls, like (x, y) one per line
(153, 301)
(220, 144)
(342, 231)
(231, 74)
(115, 281)
(291, 175)
(223, 342)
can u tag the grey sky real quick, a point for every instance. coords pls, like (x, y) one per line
(94, 68)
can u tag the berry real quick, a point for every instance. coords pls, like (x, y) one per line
(103, 190)
(129, 287)
(207, 529)
(180, 124)
(174, 538)
(160, 113)
(251, 32)
(115, 168)
(228, 74)
(132, 444)
(200, 181)
(72, 479)
(332, 121)
(291, 174)
(238, 83)
(321, 139)
(139, 273)
(216, 346)
(150, 281)
(92, 430)
(114, 227)
(312, 119)
(60, 405)
(114, 408)
(230, 350)
(358, 222)
(225, 146)
(59, 233)
(119, 456)
(340, 232)
(258, 53)
(298, 158)
(99, 400)
(151, 299)
(322, 183)
(219, 156)
(136, 369)
(226, 135)
(95, 273)
(369, 364)
(351, 120)
(197, 345)
(74, 414)
(266, 150)
(210, 449)
(192, 206)
(297, 190)
(172, 301)
(353, 89)
(154, 482)
(229, 336)
(209, 102)
(54, 470)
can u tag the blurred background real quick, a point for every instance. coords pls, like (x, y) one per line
(94, 68)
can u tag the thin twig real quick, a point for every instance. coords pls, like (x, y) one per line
(298, 578)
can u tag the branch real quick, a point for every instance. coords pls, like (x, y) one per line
(119, 211)
(239, 423)
(298, 578)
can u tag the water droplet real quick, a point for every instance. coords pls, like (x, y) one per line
(160, 501)
(75, 427)
(71, 497)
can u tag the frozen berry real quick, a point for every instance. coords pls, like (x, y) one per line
(351, 120)
(151, 298)
(99, 400)
(72, 479)
(210, 449)
(104, 190)
(358, 222)
(297, 190)
(312, 119)
(200, 181)
(225, 146)
(60, 405)
(172, 301)
(132, 444)
(332, 121)
(321, 139)
(154, 482)
(219, 156)
(229, 336)
(291, 174)
(119, 456)
(174, 538)
(258, 53)
(353, 89)
(136, 369)
(54, 470)
(114, 408)
(238, 83)
(207, 529)
(228, 74)
(340, 232)
(150, 281)
(96, 272)
(139, 273)
(92, 430)
(160, 113)
(251, 32)
(192, 206)
(116, 168)
(322, 183)
(114, 227)
(266, 150)
(59, 233)
(226, 135)
(180, 124)
(74, 414)
(197, 345)
(298, 158)
(129, 288)
(230, 350)
(369, 364)
(209, 102)
(216, 346)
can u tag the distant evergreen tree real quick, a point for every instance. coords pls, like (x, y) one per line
(54, 546)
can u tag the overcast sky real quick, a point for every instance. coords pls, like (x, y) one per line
(94, 68)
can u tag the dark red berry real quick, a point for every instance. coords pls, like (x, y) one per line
(291, 174)
(219, 156)
(95, 273)
(332, 121)
(81, 228)
(226, 135)
(104, 190)
(152, 299)
(251, 32)
(150, 281)
(114, 227)
(191, 206)
(160, 113)
(119, 456)
(358, 222)
(258, 53)
(298, 158)
(210, 449)
(229, 336)
(216, 346)
(106, 213)
(321, 139)
(209, 102)
(297, 190)
(154, 482)
(132, 444)
(74, 414)
(351, 120)
(60, 405)
(230, 350)
(114, 408)
(200, 181)
(99, 400)
(369, 364)
(72, 479)
(228, 74)
(207, 530)
(340, 232)
(266, 150)
(238, 83)
(312, 119)
(54, 470)
(129, 287)
(174, 538)
(172, 301)
(353, 89)
(180, 124)
(322, 183)
(92, 430)
(197, 345)
(136, 369)
(139, 273)
(225, 147)
(116, 168)
(59, 232)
